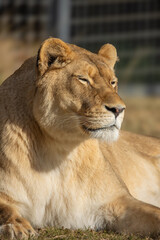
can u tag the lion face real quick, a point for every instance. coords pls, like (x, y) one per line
(77, 92)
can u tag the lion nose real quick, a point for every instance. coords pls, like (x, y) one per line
(116, 110)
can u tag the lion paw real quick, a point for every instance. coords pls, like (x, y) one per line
(18, 228)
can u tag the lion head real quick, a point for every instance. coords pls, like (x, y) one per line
(76, 92)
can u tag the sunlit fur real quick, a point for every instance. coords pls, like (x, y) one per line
(60, 163)
(110, 133)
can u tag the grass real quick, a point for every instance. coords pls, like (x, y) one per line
(142, 116)
(13, 54)
(66, 234)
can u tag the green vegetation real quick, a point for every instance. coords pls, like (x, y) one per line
(66, 234)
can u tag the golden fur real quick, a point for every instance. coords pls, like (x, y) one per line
(60, 161)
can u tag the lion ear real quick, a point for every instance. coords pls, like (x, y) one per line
(110, 53)
(53, 51)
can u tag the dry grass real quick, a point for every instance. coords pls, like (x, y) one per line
(13, 54)
(143, 116)
(66, 234)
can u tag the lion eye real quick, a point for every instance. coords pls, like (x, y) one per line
(113, 82)
(82, 79)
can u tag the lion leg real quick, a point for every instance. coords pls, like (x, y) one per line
(129, 215)
(12, 225)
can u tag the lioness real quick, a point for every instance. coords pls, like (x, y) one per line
(60, 161)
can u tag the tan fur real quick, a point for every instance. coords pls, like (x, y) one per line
(60, 161)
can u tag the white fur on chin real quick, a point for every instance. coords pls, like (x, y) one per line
(108, 135)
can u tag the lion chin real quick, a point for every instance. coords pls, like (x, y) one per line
(58, 115)
(108, 134)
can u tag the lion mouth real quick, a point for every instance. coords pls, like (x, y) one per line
(98, 129)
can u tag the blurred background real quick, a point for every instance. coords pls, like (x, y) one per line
(132, 26)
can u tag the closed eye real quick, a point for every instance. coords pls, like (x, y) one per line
(83, 80)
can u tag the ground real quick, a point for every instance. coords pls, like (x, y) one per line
(65, 234)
